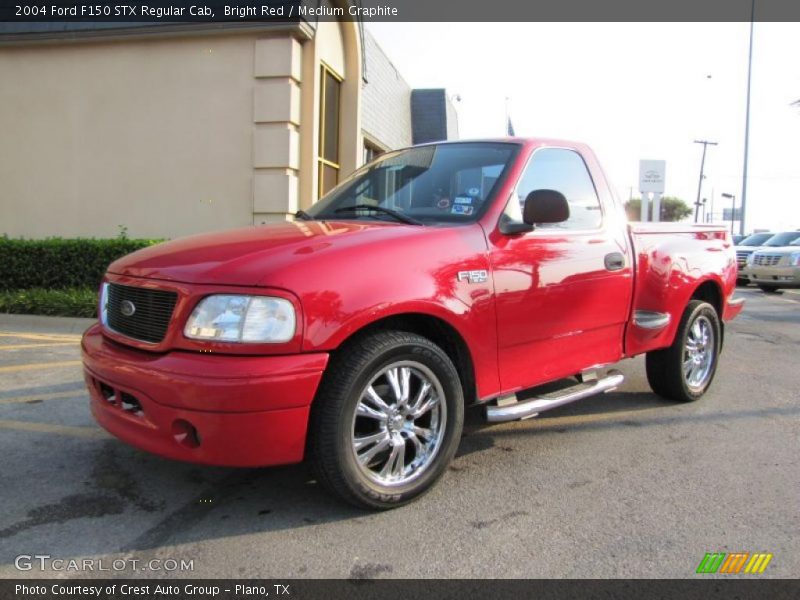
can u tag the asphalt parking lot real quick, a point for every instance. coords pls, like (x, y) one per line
(623, 485)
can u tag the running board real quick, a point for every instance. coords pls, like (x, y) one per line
(530, 408)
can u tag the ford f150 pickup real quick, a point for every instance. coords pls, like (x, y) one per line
(434, 277)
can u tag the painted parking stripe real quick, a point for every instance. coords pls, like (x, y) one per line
(81, 432)
(42, 366)
(56, 337)
(50, 396)
(43, 345)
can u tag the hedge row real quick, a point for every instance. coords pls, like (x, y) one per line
(58, 263)
(79, 302)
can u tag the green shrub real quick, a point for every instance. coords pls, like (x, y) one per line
(76, 302)
(58, 263)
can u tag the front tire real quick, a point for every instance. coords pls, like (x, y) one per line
(685, 370)
(387, 419)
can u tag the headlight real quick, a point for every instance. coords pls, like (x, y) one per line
(794, 259)
(102, 309)
(229, 318)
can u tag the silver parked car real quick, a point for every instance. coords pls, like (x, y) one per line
(745, 248)
(776, 264)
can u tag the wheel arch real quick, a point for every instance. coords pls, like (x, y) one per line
(640, 340)
(711, 291)
(434, 328)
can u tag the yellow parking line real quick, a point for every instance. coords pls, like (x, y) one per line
(45, 345)
(48, 365)
(50, 396)
(56, 337)
(81, 432)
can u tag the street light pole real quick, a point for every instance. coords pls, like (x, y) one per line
(711, 212)
(705, 143)
(747, 119)
(732, 198)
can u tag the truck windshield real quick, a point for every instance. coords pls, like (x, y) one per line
(443, 183)
(756, 239)
(782, 239)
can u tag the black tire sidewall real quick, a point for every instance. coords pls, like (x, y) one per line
(438, 362)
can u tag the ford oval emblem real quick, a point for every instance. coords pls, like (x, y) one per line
(127, 308)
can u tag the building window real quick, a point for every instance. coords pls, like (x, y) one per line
(371, 152)
(330, 92)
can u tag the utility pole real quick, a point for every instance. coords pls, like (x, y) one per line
(747, 120)
(705, 143)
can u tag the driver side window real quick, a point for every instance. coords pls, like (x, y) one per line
(563, 171)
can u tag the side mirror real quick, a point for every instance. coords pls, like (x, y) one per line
(545, 206)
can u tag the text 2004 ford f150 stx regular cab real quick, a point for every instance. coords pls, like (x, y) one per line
(434, 277)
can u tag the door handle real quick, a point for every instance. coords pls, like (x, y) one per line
(615, 261)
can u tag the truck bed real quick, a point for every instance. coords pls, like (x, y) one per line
(673, 262)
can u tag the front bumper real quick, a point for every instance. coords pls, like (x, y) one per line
(225, 410)
(787, 277)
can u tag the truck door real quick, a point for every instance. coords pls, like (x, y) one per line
(563, 290)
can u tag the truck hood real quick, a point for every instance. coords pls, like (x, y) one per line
(245, 257)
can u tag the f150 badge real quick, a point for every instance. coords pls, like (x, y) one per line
(473, 276)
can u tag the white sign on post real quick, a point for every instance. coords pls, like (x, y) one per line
(652, 174)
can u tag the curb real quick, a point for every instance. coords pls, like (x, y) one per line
(44, 324)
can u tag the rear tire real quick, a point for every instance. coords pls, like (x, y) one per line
(685, 370)
(769, 289)
(386, 421)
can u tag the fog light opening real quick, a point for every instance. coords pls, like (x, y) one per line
(185, 434)
(107, 392)
(131, 404)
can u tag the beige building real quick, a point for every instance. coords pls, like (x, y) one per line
(177, 129)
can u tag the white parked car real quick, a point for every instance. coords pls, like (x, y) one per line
(776, 264)
(745, 248)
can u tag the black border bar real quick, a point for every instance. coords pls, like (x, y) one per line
(214, 11)
(700, 587)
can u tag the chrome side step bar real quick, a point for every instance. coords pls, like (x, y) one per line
(530, 408)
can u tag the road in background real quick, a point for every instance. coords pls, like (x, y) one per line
(622, 485)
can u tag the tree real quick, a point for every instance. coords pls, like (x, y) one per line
(672, 209)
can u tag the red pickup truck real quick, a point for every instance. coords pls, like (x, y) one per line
(434, 277)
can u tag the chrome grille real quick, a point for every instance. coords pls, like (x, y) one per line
(741, 256)
(767, 260)
(151, 315)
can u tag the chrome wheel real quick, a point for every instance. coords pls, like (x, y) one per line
(399, 423)
(699, 353)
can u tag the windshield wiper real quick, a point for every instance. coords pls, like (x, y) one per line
(301, 214)
(392, 213)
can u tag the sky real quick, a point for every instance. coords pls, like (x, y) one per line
(631, 91)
